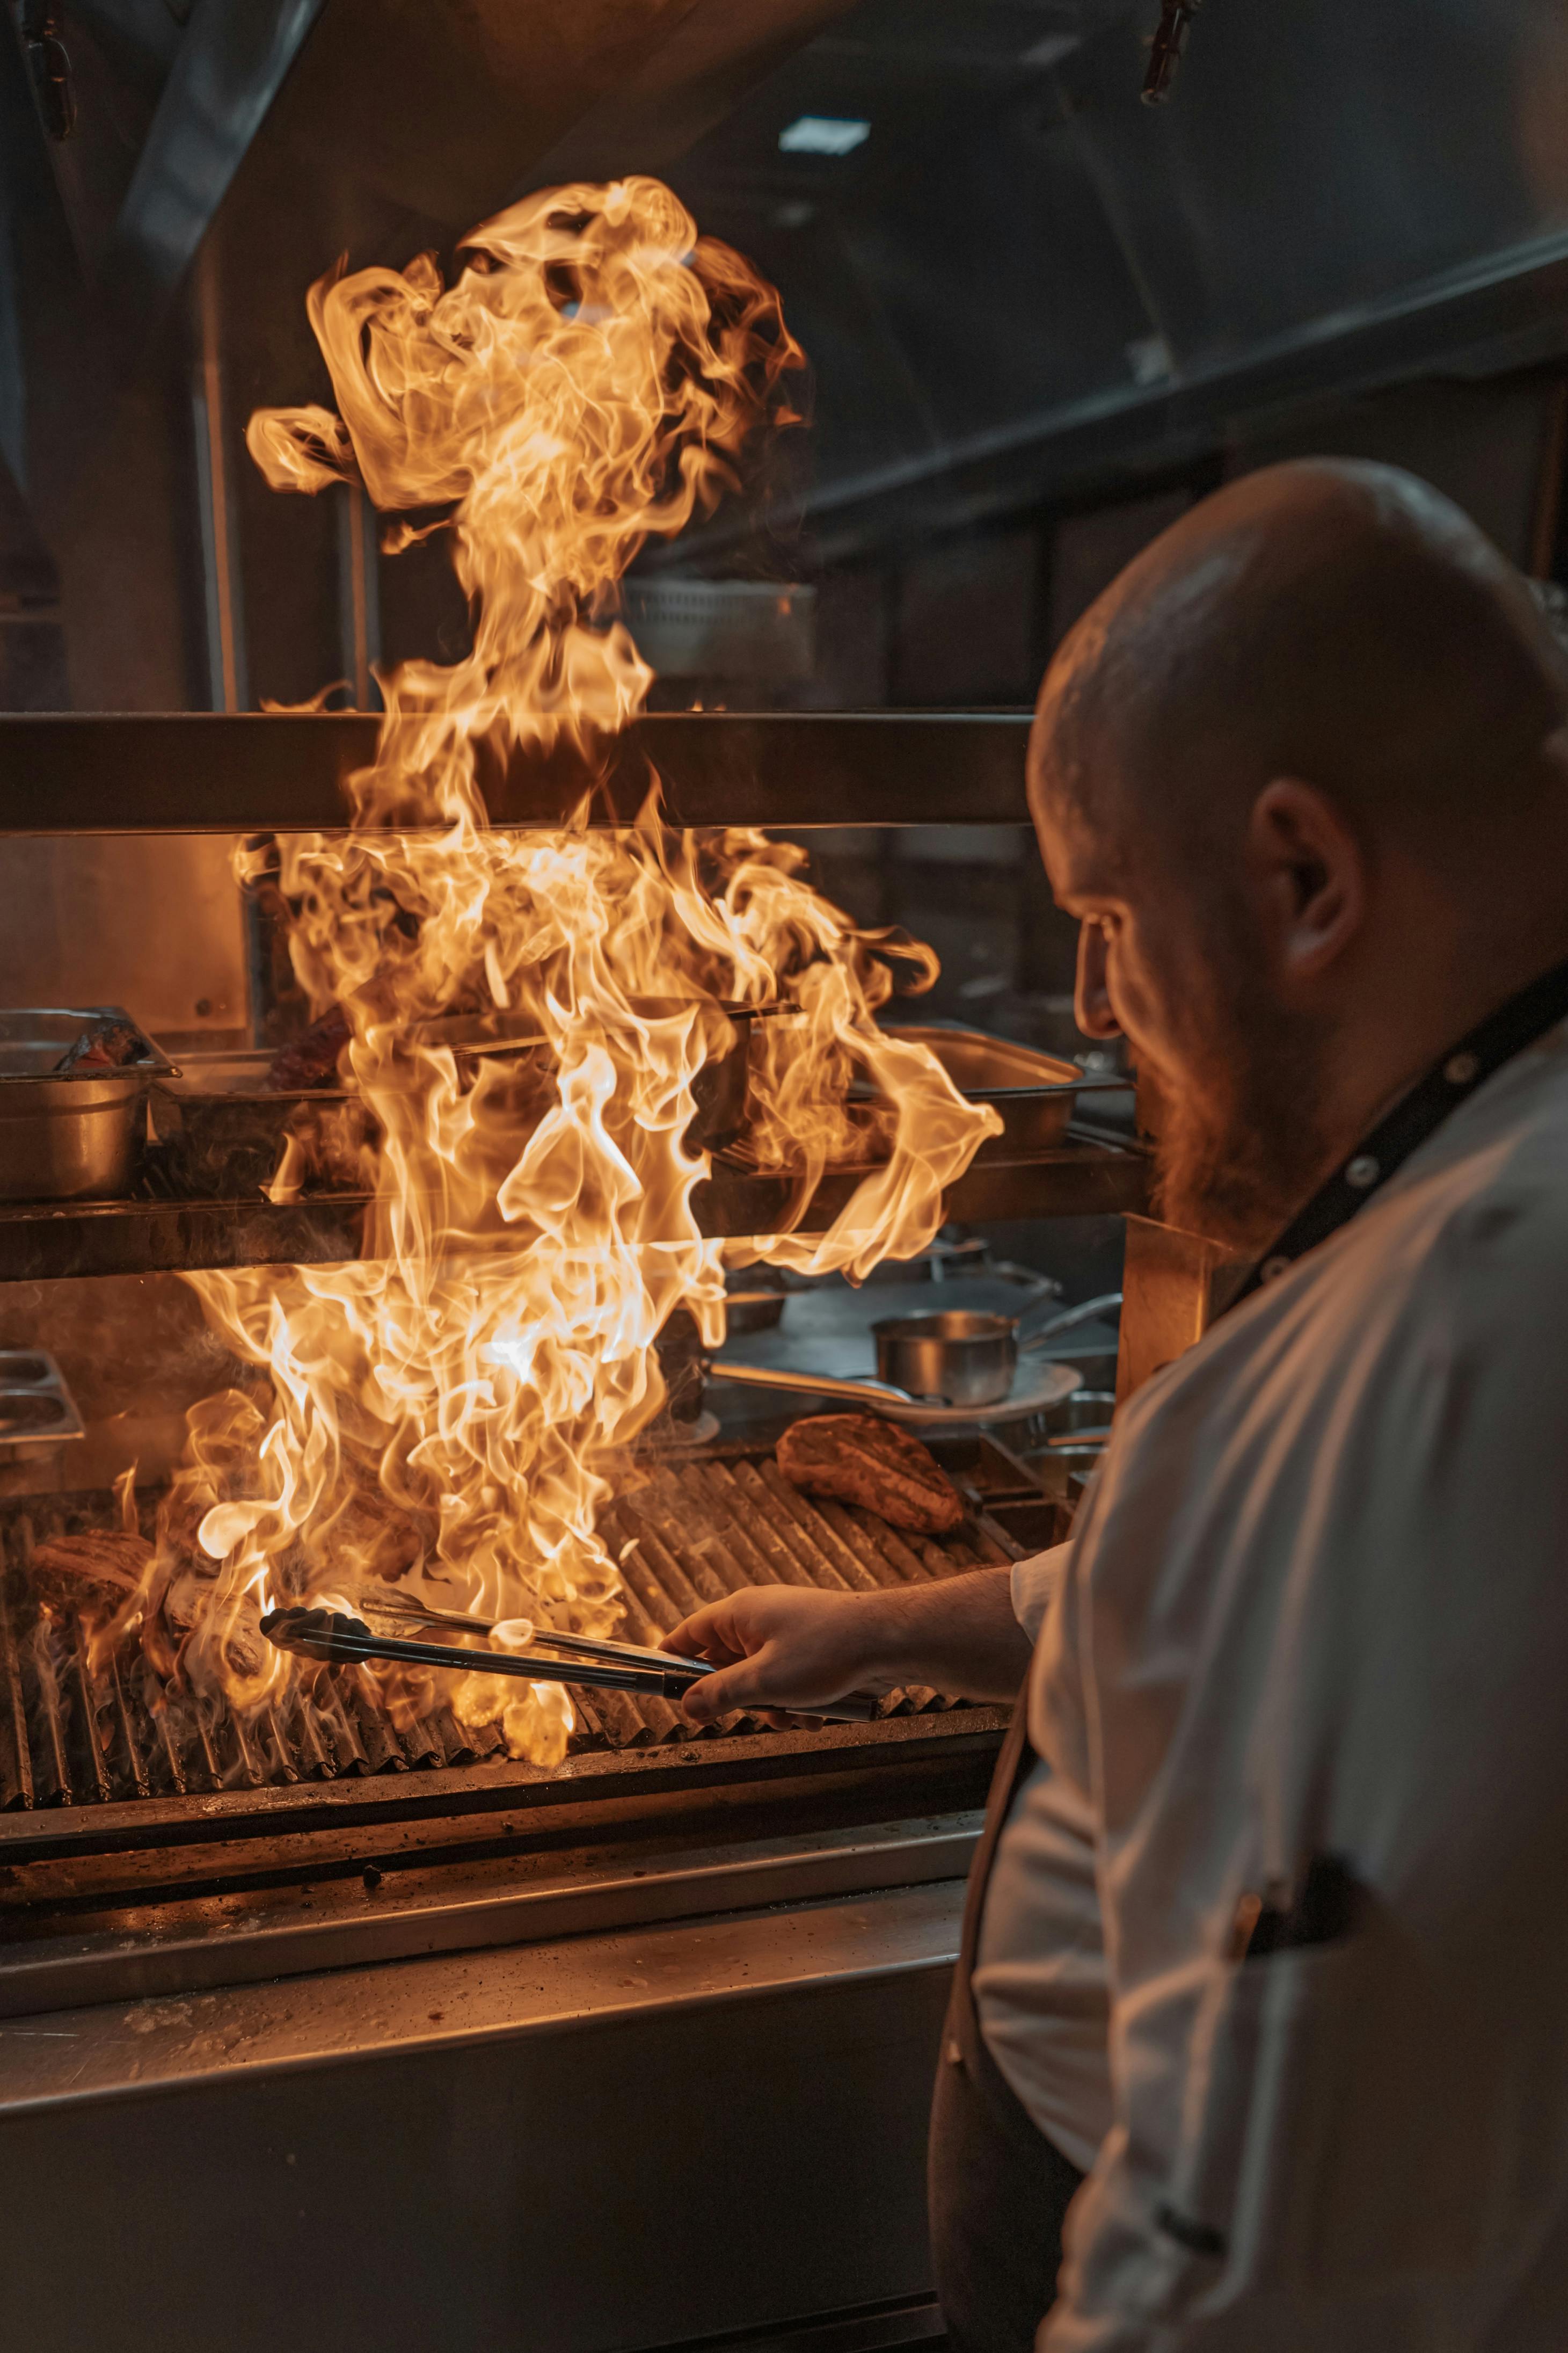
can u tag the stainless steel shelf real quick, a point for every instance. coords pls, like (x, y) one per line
(206, 772)
(46, 1241)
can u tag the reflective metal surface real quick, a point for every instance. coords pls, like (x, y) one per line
(1174, 1285)
(227, 71)
(68, 1135)
(1035, 1095)
(958, 1355)
(60, 1240)
(75, 1936)
(198, 772)
(535, 2128)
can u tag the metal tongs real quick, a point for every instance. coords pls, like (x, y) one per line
(339, 1639)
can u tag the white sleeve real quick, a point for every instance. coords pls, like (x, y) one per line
(1035, 1582)
(1359, 2139)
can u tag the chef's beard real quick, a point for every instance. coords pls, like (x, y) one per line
(1242, 1145)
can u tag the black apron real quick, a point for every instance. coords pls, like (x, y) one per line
(999, 2190)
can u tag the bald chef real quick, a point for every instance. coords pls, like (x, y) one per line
(1264, 1974)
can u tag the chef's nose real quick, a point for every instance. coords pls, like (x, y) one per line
(1091, 1000)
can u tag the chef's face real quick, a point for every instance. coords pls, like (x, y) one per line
(1171, 956)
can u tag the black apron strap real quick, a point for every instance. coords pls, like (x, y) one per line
(1014, 1762)
(999, 2190)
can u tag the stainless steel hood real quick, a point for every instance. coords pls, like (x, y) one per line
(1014, 251)
(436, 108)
(1014, 281)
(1022, 273)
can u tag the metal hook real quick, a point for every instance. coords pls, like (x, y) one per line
(1165, 48)
(50, 62)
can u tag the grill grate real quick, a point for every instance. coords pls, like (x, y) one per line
(689, 1534)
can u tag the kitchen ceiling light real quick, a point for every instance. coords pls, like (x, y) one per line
(823, 134)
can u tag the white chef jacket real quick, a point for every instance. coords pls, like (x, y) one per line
(1317, 1605)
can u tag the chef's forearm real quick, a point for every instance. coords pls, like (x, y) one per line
(961, 1635)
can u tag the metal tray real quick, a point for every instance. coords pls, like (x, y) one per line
(37, 1408)
(1037, 1094)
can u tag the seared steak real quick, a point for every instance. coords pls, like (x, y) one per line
(863, 1461)
(311, 1061)
(92, 1574)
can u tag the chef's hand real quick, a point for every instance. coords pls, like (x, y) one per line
(779, 1647)
(786, 1646)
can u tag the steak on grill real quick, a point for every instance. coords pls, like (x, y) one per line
(861, 1459)
(92, 1574)
(311, 1061)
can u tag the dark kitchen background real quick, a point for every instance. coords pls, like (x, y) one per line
(1041, 319)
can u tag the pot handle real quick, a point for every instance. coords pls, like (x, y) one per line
(761, 1377)
(1085, 1313)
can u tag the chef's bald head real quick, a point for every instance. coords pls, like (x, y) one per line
(1338, 623)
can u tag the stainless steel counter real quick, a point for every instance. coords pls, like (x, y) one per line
(616, 2140)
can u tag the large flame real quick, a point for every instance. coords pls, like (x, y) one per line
(530, 1013)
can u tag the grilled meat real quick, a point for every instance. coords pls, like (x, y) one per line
(369, 1535)
(92, 1575)
(104, 1045)
(311, 1061)
(874, 1464)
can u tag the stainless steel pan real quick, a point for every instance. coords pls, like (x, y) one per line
(966, 1358)
(69, 1135)
(1035, 1094)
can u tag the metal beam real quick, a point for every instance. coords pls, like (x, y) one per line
(226, 72)
(198, 772)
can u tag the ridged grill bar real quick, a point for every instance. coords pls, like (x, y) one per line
(692, 1533)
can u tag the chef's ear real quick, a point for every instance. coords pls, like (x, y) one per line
(1308, 873)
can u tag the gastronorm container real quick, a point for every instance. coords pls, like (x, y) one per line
(68, 1135)
(37, 1408)
(220, 1128)
(1035, 1094)
(721, 1092)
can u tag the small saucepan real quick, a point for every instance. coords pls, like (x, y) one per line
(688, 1369)
(967, 1357)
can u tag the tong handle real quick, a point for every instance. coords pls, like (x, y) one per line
(335, 1638)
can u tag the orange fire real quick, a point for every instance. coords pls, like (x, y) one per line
(531, 1012)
